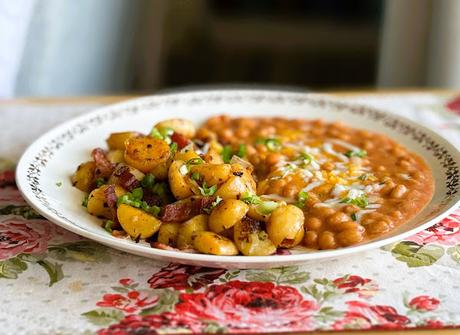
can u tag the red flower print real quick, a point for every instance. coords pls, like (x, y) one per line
(181, 277)
(117, 301)
(352, 320)
(433, 324)
(149, 324)
(389, 314)
(454, 105)
(241, 306)
(7, 178)
(19, 236)
(126, 281)
(11, 196)
(446, 232)
(131, 303)
(365, 287)
(379, 316)
(424, 303)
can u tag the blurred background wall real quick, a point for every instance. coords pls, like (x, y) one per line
(84, 47)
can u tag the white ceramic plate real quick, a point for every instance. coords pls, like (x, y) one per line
(54, 157)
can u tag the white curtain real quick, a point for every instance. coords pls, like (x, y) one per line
(77, 47)
(420, 44)
(14, 23)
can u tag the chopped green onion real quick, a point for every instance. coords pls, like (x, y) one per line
(356, 153)
(84, 202)
(100, 182)
(305, 157)
(359, 201)
(353, 217)
(272, 144)
(166, 132)
(154, 210)
(148, 181)
(227, 153)
(266, 207)
(263, 207)
(155, 133)
(124, 199)
(241, 151)
(134, 199)
(162, 133)
(136, 203)
(214, 204)
(173, 148)
(196, 176)
(302, 196)
(207, 191)
(108, 226)
(194, 161)
(160, 189)
(59, 184)
(137, 193)
(250, 199)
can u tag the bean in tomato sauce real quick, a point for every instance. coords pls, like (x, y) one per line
(359, 184)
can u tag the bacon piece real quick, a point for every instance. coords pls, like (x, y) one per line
(183, 210)
(125, 178)
(111, 200)
(281, 251)
(104, 167)
(152, 199)
(181, 140)
(7, 178)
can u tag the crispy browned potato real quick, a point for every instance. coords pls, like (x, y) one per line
(189, 228)
(251, 240)
(136, 222)
(116, 141)
(116, 156)
(208, 242)
(212, 174)
(97, 204)
(179, 182)
(286, 226)
(181, 126)
(234, 188)
(84, 176)
(185, 155)
(146, 153)
(168, 233)
(226, 215)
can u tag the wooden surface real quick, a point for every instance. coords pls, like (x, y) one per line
(119, 98)
(110, 99)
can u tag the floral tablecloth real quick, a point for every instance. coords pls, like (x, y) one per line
(55, 282)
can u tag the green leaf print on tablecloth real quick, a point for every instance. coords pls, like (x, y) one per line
(103, 317)
(12, 267)
(29, 240)
(166, 301)
(25, 211)
(454, 253)
(80, 251)
(285, 275)
(415, 255)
